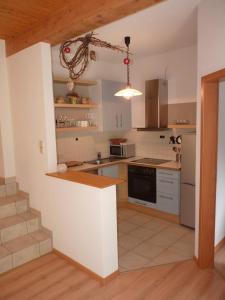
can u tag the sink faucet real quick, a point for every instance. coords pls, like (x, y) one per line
(99, 155)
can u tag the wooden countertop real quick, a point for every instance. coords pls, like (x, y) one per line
(172, 165)
(75, 174)
(100, 182)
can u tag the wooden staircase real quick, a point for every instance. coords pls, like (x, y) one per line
(22, 237)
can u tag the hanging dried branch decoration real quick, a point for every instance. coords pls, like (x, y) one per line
(78, 63)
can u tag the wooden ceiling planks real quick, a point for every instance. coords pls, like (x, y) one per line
(25, 23)
(17, 16)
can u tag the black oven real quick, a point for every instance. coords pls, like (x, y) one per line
(142, 183)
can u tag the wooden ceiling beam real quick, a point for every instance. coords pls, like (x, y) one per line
(76, 18)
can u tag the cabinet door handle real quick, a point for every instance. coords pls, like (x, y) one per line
(166, 181)
(116, 121)
(121, 120)
(164, 173)
(187, 183)
(166, 197)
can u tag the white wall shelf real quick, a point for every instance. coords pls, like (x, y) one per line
(182, 126)
(66, 105)
(76, 82)
(69, 129)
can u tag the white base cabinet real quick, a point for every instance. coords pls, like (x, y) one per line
(168, 191)
(111, 171)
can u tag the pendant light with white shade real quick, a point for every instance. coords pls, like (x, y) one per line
(128, 92)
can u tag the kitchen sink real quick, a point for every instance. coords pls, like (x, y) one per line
(106, 160)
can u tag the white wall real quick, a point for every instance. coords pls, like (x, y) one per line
(211, 49)
(95, 70)
(220, 188)
(2, 170)
(80, 217)
(30, 91)
(83, 220)
(179, 67)
(7, 161)
(181, 71)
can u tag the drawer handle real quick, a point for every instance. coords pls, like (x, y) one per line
(187, 183)
(166, 181)
(164, 173)
(165, 197)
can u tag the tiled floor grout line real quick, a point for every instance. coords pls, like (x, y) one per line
(142, 241)
(132, 250)
(141, 226)
(166, 248)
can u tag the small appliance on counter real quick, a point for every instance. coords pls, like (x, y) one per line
(124, 150)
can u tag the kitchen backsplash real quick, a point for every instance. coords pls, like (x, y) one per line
(83, 148)
(149, 144)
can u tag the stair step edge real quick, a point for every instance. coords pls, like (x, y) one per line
(17, 219)
(16, 227)
(20, 195)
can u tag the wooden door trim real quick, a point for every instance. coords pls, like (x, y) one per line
(208, 166)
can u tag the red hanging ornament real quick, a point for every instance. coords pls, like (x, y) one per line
(126, 61)
(67, 50)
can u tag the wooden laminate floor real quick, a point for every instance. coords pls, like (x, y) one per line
(51, 277)
(220, 261)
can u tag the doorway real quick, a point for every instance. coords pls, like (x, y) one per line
(208, 166)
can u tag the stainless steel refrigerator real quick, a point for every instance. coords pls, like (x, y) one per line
(187, 202)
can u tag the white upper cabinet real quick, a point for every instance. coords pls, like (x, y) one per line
(138, 112)
(115, 111)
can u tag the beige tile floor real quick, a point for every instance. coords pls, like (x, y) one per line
(145, 241)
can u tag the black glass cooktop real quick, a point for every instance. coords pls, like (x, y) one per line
(151, 161)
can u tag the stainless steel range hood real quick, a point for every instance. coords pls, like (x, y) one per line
(156, 105)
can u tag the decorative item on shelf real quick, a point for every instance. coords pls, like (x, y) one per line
(73, 98)
(77, 62)
(182, 122)
(85, 100)
(128, 92)
(70, 85)
(60, 100)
